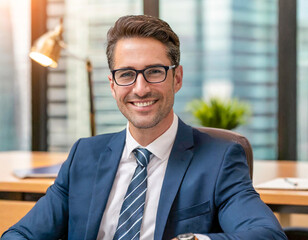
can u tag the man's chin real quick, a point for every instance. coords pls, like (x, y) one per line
(144, 123)
(143, 126)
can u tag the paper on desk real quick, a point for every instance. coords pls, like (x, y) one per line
(285, 183)
(39, 172)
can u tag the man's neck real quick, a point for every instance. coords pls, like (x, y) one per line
(145, 136)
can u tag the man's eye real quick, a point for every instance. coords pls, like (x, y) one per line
(154, 71)
(127, 74)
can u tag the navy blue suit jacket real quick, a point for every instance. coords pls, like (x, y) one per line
(206, 189)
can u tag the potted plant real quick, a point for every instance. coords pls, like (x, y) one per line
(217, 113)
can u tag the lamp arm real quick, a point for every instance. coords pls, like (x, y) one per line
(63, 45)
(46, 51)
(90, 84)
(91, 97)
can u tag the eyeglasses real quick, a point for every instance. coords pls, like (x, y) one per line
(128, 76)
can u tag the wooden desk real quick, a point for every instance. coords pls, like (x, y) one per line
(18, 196)
(22, 160)
(263, 171)
(282, 201)
(12, 211)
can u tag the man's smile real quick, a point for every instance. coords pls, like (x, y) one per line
(143, 104)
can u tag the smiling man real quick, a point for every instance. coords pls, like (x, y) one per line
(145, 99)
(157, 179)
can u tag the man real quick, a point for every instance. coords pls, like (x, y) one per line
(158, 178)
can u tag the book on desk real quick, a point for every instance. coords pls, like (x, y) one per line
(285, 184)
(38, 172)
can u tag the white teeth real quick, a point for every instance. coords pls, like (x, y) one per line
(143, 104)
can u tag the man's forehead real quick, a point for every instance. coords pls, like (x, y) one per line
(145, 51)
(139, 41)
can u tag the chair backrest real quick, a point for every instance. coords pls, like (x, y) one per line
(296, 233)
(234, 137)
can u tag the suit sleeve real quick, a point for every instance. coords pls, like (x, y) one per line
(48, 219)
(241, 212)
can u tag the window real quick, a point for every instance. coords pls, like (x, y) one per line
(230, 46)
(302, 80)
(14, 75)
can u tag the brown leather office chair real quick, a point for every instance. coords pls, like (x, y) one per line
(234, 137)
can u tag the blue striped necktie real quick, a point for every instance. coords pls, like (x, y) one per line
(132, 209)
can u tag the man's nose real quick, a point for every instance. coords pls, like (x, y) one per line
(141, 86)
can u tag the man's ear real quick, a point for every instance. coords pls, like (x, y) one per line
(111, 82)
(178, 78)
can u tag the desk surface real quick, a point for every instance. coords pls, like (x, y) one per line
(10, 161)
(263, 171)
(268, 170)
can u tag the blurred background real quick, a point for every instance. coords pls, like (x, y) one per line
(256, 51)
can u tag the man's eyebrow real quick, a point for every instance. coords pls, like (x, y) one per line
(153, 65)
(124, 67)
(146, 66)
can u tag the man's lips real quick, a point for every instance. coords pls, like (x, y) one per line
(143, 103)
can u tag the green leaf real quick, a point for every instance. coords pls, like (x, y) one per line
(218, 113)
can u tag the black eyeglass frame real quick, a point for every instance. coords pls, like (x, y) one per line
(141, 71)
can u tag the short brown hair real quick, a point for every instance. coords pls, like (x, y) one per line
(146, 27)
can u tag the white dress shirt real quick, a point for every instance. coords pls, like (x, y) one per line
(160, 149)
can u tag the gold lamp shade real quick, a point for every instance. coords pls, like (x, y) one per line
(47, 48)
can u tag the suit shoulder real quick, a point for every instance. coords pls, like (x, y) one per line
(102, 140)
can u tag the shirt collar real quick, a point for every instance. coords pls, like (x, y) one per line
(161, 146)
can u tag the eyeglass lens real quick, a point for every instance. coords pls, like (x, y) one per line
(152, 74)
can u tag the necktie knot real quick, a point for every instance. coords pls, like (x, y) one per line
(142, 156)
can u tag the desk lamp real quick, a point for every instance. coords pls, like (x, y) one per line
(46, 51)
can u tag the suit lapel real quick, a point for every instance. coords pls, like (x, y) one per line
(178, 163)
(105, 174)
